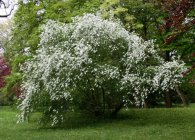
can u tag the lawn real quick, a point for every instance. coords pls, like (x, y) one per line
(133, 124)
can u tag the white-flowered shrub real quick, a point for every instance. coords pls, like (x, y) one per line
(92, 64)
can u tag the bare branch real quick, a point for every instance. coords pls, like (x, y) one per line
(3, 6)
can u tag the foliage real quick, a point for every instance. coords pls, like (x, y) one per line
(178, 34)
(179, 26)
(143, 17)
(120, 10)
(5, 70)
(140, 16)
(28, 19)
(97, 64)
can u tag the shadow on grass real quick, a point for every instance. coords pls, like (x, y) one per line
(80, 120)
(160, 116)
(132, 117)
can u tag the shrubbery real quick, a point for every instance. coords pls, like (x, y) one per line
(94, 65)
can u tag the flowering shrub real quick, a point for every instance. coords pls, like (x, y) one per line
(92, 64)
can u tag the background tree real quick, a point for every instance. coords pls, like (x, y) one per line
(178, 33)
(143, 17)
(5, 70)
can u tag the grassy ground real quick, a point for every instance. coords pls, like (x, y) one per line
(134, 124)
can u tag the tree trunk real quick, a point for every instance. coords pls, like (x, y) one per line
(146, 104)
(117, 109)
(168, 102)
(182, 96)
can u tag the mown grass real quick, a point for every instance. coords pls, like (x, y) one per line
(134, 124)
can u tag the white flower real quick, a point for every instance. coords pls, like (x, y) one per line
(91, 46)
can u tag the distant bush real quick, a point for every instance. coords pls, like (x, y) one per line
(5, 70)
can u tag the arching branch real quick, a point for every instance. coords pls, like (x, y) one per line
(9, 6)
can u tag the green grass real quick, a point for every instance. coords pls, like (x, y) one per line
(134, 124)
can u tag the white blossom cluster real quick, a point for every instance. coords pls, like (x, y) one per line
(169, 74)
(99, 49)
